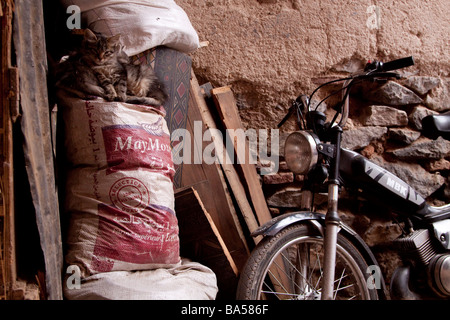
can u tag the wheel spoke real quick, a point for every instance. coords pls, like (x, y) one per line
(339, 284)
(297, 272)
(290, 266)
(302, 266)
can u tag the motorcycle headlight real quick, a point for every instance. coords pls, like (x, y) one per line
(300, 152)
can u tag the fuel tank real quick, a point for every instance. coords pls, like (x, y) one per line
(378, 183)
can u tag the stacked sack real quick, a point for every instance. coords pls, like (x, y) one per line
(119, 187)
(123, 231)
(143, 24)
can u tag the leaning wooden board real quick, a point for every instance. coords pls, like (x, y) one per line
(228, 112)
(210, 184)
(231, 176)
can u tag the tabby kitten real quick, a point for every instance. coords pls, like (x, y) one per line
(101, 68)
(143, 86)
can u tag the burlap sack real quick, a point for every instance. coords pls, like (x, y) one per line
(119, 190)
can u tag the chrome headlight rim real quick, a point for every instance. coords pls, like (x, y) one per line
(310, 142)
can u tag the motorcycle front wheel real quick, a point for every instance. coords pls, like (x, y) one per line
(289, 265)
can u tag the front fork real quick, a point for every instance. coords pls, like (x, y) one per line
(332, 221)
(332, 228)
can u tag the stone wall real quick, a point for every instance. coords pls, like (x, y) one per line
(270, 51)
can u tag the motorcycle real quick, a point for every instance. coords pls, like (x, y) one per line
(307, 255)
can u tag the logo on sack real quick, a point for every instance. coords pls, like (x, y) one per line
(129, 195)
(155, 129)
(144, 146)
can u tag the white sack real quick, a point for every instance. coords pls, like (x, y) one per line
(143, 24)
(185, 281)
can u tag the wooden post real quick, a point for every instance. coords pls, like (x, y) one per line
(228, 112)
(8, 94)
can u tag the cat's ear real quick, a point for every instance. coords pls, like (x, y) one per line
(114, 40)
(89, 35)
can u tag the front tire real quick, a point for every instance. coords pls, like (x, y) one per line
(289, 266)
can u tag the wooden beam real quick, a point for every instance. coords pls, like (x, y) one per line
(31, 53)
(225, 162)
(7, 182)
(209, 181)
(228, 112)
(191, 210)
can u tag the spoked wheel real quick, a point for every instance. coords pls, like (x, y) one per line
(289, 265)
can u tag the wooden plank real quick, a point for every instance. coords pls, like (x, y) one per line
(229, 171)
(7, 167)
(37, 147)
(226, 163)
(216, 192)
(228, 112)
(216, 233)
(210, 184)
(241, 199)
(201, 241)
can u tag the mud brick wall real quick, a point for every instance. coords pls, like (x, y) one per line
(271, 50)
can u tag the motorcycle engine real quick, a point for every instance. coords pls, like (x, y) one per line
(418, 246)
(439, 274)
(421, 247)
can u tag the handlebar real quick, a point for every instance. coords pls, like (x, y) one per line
(397, 64)
(375, 69)
(378, 66)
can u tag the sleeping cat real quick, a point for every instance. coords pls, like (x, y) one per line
(101, 68)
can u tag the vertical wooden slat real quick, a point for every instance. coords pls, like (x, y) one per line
(7, 183)
(31, 56)
(228, 112)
